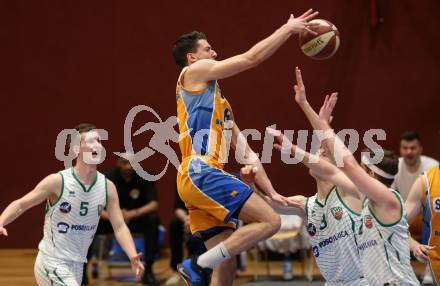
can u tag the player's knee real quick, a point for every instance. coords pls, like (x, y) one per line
(275, 223)
(272, 224)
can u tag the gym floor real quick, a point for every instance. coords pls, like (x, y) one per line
(16, 268)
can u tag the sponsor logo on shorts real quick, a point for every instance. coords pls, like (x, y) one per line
(234, 194)
(367, 244)
(437, 233)
(337, 212)
(311, 229)
(65, 207)
(368, 221)
(315, 250)
(62, 227)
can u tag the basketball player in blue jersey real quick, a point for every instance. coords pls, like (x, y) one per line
(215, 199)
(74, 200)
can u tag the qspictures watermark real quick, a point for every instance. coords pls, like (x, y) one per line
(165, 132)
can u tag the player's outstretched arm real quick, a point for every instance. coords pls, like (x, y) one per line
(320, 168)
(247, 156)
(206, 70)
(122, 233)
(372, 188)
(47, 187)
(301, 100)
(297, 203)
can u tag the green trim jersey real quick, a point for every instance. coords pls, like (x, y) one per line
(384, 249)
(331, 227)
(71, 222)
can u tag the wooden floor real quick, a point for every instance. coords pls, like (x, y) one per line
(16, 268)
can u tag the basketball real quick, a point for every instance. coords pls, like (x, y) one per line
(323, 45)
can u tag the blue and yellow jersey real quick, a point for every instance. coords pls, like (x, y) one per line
(430, 181)
(212, 196)
(202, 116)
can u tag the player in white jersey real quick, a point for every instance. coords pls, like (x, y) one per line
(331, 222)
(383, 238)
(333, 214)
(74, 199)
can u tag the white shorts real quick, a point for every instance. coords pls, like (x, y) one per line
(57, 272)
(357, 282)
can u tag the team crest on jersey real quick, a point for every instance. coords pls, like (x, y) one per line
(368, 221)
(100, 209)
(337, 212)
(65, 207)
(311, 229)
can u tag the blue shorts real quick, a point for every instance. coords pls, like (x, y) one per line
(213, 197)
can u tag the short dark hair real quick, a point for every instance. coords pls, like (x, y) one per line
(389, 164)
(81, 128)
(84, 127)
(410, 136)
(186, 44)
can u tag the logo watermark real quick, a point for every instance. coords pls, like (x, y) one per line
(88, 146)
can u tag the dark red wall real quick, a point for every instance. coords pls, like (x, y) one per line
(66, 62)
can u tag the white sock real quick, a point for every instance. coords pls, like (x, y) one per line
(214, 256)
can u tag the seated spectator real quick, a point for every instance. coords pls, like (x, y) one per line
(138, 202)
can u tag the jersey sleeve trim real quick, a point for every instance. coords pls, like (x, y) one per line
(180, 84)
(106, 192)
(307, 207)
(401, 213)
(61, 192)
(345, 205)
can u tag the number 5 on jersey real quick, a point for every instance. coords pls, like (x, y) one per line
(83, 209)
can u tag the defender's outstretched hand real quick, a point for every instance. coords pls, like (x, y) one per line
(301, 24)
(421, 251)
(325, 113)
(3, 231)
(136, 265)
(300, 89)
(282, 200)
